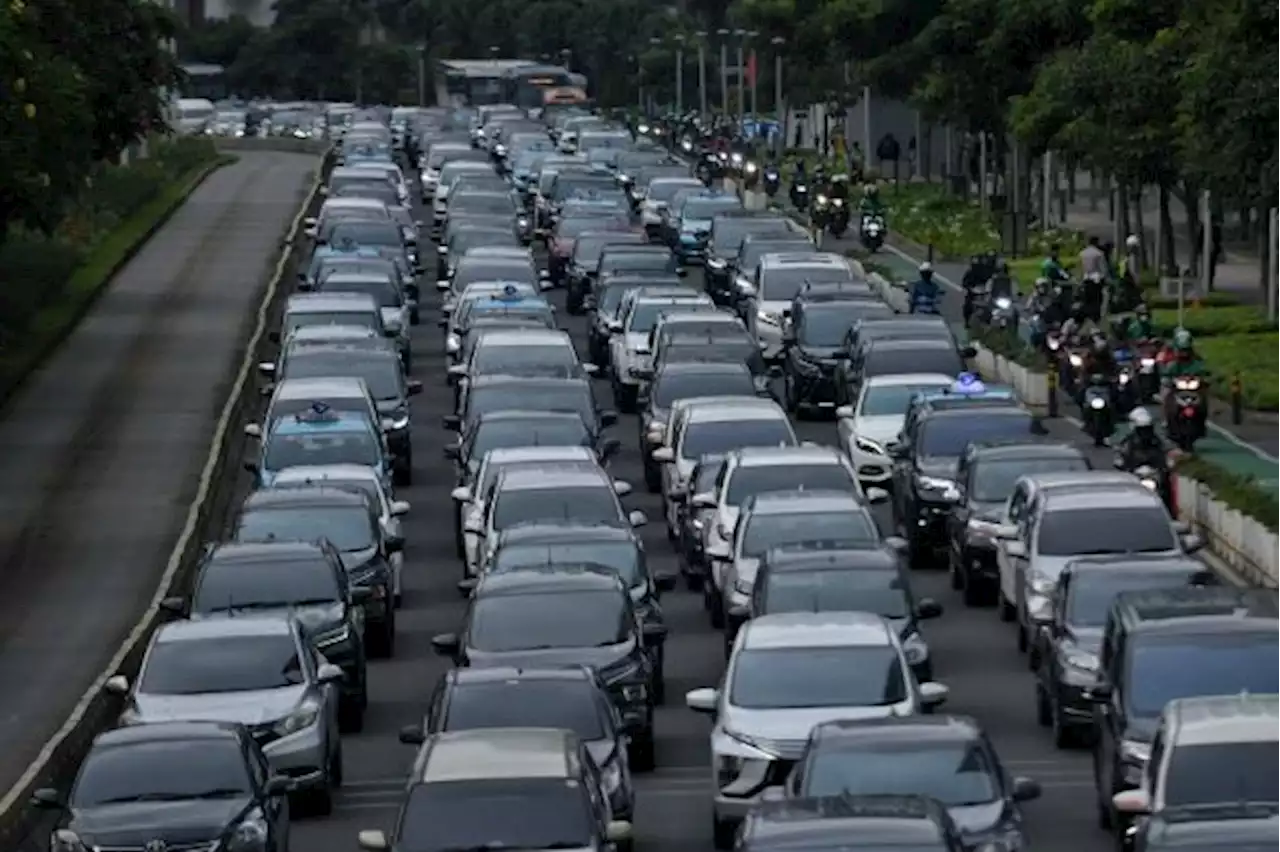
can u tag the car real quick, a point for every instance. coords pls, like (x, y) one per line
(779, 279)
(298, 396)
(496, 298)
(1069, 647)
(688, 220)
(755, 246)
(320, 435)
(881, 357)
(499, 202)
(562, 239)
(350, 522)
(464, 239)
(875, 419)
(302, 309)
(655, 197)
(812, 333)
(557, 616)
(584, 263)
(211, 777)
(258, 671)
(472, 268)
(571, 698)
(470, 326)
(627, 259)
(725, 237)
(685, 523)
(449, 177)
(846, 822)
(787, 673)
(522, 353)
(368, 263)
(948, 759)
(604, 308)
(488, 394)
(543, 781)
(985, 477)
(630, 340)
(391, 302)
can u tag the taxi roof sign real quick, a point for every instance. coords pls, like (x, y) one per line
(318, 412)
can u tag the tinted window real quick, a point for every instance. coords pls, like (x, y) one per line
(662, 191)
(717, 437)
(647, 262)
(885, 400)
(955, 774)
(775, 678)
(554, 361)
(1221, 773)
(1091, 595)
(782, 285)
(750, 480)
(300, 319)
(620, 557)
(826, 326)
(948, 436)
(993, 479)
(225, 664)
(572, 397)
(349, 528)
(701, 209)
(386, 294)
(610, 299)
(557, 432)
(763, 532)
(524, 703)
(582, 504)
(477, 238)
(519, 814)
(265, 585)
(469, 272)
(855, 590)
(162, 772)
(381, 372)
(920, 360)
(1081, 532)
(313, 448)
(1164, 668)
(474, 202)
(645, 315)
(367, 233)
(562, 620)
(684, 385)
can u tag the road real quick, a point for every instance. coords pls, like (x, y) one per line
(100, 453)
(975, 654)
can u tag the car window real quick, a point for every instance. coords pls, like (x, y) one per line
(164, 771)
(578, 619)
(750, 480)
(854, 590)
(779, 678)
(348, 528)
(223, 664)
(765, 531)
(992, 480)
(526, 703)
(1081, 532)
(718, 437)
(582, 504)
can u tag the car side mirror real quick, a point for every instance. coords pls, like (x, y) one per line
(413, 387)
(253, 430)
(927, 608)
(876, 495)
(1132, 802)
(654, 632)
(637, 518)
(1192, 543)
(399, 508)
(373, 841)
(267, 368)
(174, 606)
(452, 452)
(446, 644)
(608, 418)
(278, 785)
(412, 735)
(738, 611)
(466, 587)
(47, 799)
(663, 455)
(329, 673)
(1025, 789)
(704, 700)
(844, 412)
(116, 685)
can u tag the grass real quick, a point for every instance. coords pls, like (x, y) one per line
(1250, 356)
(1214, 321)
(1238, 492)
(53, 322)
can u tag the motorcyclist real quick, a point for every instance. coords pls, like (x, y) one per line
(974, 282)
(1142, 445)
(924, 293)
(870, 203)
(1092, 292)
(1185, 362)
(1078, 327)
(1052, 267)
(1140, 327)
(1101, 359)
(839, 187)
(1001, 280)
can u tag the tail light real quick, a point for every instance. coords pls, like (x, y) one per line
(1189, 412)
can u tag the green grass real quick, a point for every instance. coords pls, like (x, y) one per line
(51, 324)
(1250, 356)
(1204, 321)
(1238, 492)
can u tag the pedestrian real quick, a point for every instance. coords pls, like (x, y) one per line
(1093, 260)
(888, 150)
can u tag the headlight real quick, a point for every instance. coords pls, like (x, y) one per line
(686, 145)
(1003, 303)
(1097, 402)
(303, 716)
(1124, 378)
(1080, 660)
(333, 635)
(769, 318)
(1187, 384)
(822, 199)
(1075, 360)
(1148, 363)
(698, 524)
(752, 168)
(1054, 344)
(250, 835)
(932, 483)
(1134, 751)
(1042, 585)
(736, 158)
(866, 445)
(644, 128)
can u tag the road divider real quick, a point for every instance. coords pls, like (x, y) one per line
(23, 829)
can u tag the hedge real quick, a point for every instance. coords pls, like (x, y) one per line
(1210, 322)
(1237, 491)
(1253, 358)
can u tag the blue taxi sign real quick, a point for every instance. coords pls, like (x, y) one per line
(968, 383)
(318, 412)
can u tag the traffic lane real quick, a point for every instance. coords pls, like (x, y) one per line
(102, 449)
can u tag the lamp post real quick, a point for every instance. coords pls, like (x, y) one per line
(740, 36)
(422, 75)
(755, 72)
(780, 113)
(723, 35)
(679, 39)
(701, 36)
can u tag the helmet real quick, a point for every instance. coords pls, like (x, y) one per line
(926, 268)
(1077, 310)
(1142, 311)
(1182, 340)
(1042, 283)
(1140, 418)
(1132, 241)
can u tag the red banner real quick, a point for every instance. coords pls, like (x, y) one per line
(751, 69)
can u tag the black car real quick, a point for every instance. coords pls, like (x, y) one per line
(732, 346)
(882, 357)
(811, 343)
(538, 618)
(352, 524)
(948, 759)
(487, 394)
(584, 263)
(570, 698)
(687, 521)
(173, 785)
(846, 824)
(629, 260)
(728, 230)
(1070, 647)
(306, 579)
(985, 478)
(925, 461)
(1230, 827)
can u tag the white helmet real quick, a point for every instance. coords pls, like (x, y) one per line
(926, 267)
(1140, 418)
(1132, 241)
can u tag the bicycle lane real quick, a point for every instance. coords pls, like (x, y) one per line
(100, 452)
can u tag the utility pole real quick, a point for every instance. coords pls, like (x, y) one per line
(724, 70)
(679, 75)
(740, 36)
(701, 36)
(422, 75)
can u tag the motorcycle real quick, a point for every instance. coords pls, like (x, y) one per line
(800, 196)
(871, 232)
(750, 174)
(821, 212)
(838, 218)
(707, 169)
(1126, 383)
(1147, 383)
(1185, 416)
(1002, 313)
(1096, 410)
(1073, 368)
(1153, 474)
(771, 181)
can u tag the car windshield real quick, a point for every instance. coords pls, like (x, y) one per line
(367, 233)
(554, 361)
(730, 232)
(704, 209)
(454, 171)
(750, 480)
(480, 239)
(718, 437)
(569, 705)
(511, 396)
(891, 400)
(826, 326)
(534, 813)
(381, 371)
(544, 432)
(827, 590)
(765, 531)
(956, 774)
(1084, 532)
(385, 293)
(366, 265)
(783, 285)
(321, 448)
(779, 678)
(1221, 773)
(1168, 667)
(566, 619)
(621, 557)
(646, 314)
(368, 487)
(726, 350)
(222, 664)
(947, 437)
(610, 298)
(478, 202)
(277, 583)
(305, 319)
(1091, 595)
(349, 528)
(638, 262)
(672, 386)
(592, 504)
(993, 479)
(163, 771)
(469, 272)
(588, 249)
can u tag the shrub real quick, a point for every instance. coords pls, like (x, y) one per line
(1238, 492)
(1253, 358)
(929, 215)
(1213, 321)
(1007, 343)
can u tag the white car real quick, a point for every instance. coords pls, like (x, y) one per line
(876, 418)
(786, 674)
(629, 345)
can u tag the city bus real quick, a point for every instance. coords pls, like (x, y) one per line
(525, 85)
(205, 81)
(472, 82)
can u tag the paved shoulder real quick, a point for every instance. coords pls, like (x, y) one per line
(101, 452)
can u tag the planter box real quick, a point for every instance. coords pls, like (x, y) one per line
(1245, 547)
(1032, 386)
(895, 297)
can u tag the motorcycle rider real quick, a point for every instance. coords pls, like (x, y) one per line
(839, 187)
(1078, 327)
(1142, 445)
(924, 292)
(1101, 359)
(974, 281)
(1092, 292)
(1140, 327)
(1186, 361)
(870, 203)
(1052, 267)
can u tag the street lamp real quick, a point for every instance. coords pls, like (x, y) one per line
(778, 42)
(422, 74)
(752, 35)
(679, 40)
(701, 36)
(723, 35)
(740, 35)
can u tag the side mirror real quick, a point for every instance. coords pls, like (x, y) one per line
(609, 448)
(412, 735)
(617, 831)
(704, 700)
(663, 455)
(47, 799)
(1016, 549)
(607, 418)
(452, 422)
(394, 544)
(116, 685)
(372, 841)
(253, 430)
(969, 352)
(174, 605)
(933, 694)
(361, 594)
(278, 785)
(876, 495)
(452, 452)
(399, 508)
(927, 608)
(1025, 789)
(461, 494)
(329, 673)
(267, 368)
(310, 222)
(738, 611)
(844, 411)
(654, 632)
(704, 500)
(446, 644)
(622, 489)
(1135, 802)
(896, 542)
(637, 518)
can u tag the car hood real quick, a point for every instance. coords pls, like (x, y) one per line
(785, 732)
(135, 824)
(596, 658)
(942, 467)
(1088, 639)
(973, 819)
(253, 707)
(880, 428)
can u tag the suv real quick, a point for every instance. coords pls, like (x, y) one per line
(813, 331)
(849, 823)
(779, 278)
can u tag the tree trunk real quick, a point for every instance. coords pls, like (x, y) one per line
(1192, 206)
(1139, 228)
(1263, 242)
(1168, 251)
(1122, 209)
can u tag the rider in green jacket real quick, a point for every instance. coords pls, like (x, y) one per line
(1186, 361)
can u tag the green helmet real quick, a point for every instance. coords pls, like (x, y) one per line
(1182, 340)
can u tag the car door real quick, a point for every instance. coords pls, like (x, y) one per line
(1026, 538)
(958, 519)
(1014, 511)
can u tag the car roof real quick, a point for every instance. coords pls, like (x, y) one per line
(792, 502)
(815, 629)
(1029, 447)
(340, 386)
(542, 479)
(548, 579)
(307, 302)
(526, 337)
(257, 551)
(891, 344)
(478, 754)
(320, 473)
(1105, 498)
(702, 367)
(158, 732)
(519, 455)
(1217, 719)
(195, 630)
(813, 557)
(804, 260)
(508, 674)
(718, 409)
(779, 456)
(909, 380)
(527, 382)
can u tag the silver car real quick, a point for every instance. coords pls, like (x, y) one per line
(258, 671)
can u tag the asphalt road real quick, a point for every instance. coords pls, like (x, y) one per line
(975, 655)
(101, 451)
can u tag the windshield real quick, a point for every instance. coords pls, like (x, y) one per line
(611, 298)
(367, 233)
(1164, 668)
(338, 264)
(646, 314)
(947, 437)
(954, 773)
(454, 171)
(386, 294)
(891, 400)
(750, 480)
(553, 361)
(581, 504)
(509, 396)
(381, 372)
(321, 447)
(526, 703)
(703, 209)
(631, 262)
(558, 432)
(1221, 773)
(295, 320)
(576, 619)
(718, 437)
(1081, 532)
(778, 678)
(481, 203)
(349, 528)
(730, 232)
(854, 590)
(993, 479)
(477, 238)
(162, 772)
(1091, 595)
(852, 529)
(621, 557)
(224, 664)
(469, 273)
(685, 385)
(531, 813)
(782, 285)
(277, 583)
(826, 326)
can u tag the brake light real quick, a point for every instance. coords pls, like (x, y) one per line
(1189, 411)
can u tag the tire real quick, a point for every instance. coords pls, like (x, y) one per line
(723, 833)
(642, 751)
(971, 593)
(382, 642)
(1007, 611)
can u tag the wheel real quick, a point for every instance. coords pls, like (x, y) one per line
(1044, 709)
(1023, 642)
(971, 593)
(318, 800)
(713, 603)
(336, 768)
(1063, 736)
(415, 317)
(652, 479)
(723, 833)
(660, 685)
(956, 574)
(642, 754)
(382, 641)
